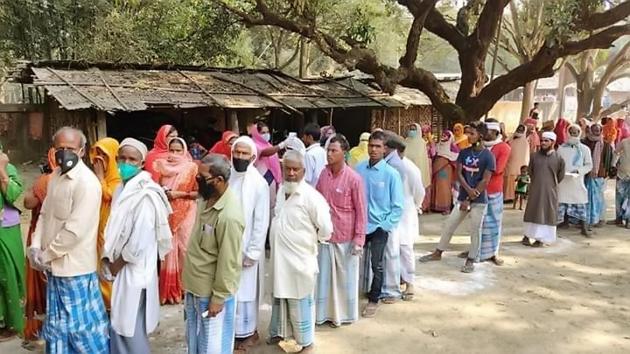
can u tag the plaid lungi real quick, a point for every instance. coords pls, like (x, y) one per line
(577, 211)
(76, 321)
(293, 317)
(491, 227)
(209, 335)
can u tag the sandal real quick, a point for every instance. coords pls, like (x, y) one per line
(432, 257)
(468, 268)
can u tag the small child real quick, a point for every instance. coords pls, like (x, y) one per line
(522, 181)
(196, 150)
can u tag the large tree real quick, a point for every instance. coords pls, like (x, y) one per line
(578, 25)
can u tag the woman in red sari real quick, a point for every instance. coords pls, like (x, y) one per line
(160, 149)
(177, 174)
(444, 173)
(35, 280)
(224, 146)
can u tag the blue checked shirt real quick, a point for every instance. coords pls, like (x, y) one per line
(384, 195)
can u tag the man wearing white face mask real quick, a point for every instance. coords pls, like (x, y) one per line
(64, 245)
(572, 193)
(250, 187)
(302, 219)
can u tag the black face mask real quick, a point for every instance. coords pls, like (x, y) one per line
(240, 165)
(66, 159)
(206, 190)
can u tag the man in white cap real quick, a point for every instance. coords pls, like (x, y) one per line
(572, 192)
(137, 232)
(252, 190)
(546, 169)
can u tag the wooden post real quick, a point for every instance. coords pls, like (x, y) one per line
(101, 124)
(233, 121)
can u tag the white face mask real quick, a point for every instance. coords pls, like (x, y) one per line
(290, 187)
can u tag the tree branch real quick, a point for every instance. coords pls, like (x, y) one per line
(413, 39)
(437, 24)
(488, 22)
(572, 70)
(606, 18)
(615, 107)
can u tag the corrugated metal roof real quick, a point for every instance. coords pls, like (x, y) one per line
(139, 89)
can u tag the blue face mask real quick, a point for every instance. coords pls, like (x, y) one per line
(412, 133)
(266, 136)
(127, 171)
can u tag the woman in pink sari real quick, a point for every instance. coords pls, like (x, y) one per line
(177, 174)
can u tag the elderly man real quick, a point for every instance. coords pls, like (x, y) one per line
(572, 192)
(384, 196)
(546, 169)
(64, 245)
(338, 279)
(602, 155)
(302, 218)
(213, 262)
(622, 194)
(409, 228)
(137, 232)
(252, 190)
(492, 223)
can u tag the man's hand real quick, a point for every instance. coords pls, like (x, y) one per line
(357, 250)
(248, 262)
(464, 205)
(115, 267)
(35, 257)
(214, 309)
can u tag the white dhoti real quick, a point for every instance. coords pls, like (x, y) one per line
(391, 273)
(337, 290)
(539, 232)
(409, 231)
(248, 297)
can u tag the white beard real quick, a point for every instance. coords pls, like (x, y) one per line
(290, 187)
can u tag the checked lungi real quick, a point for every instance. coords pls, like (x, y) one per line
(293, 317)
(209, 335)
(595, 204)
(491, 228)
(337, 290)
(576, 211)
(76, 321)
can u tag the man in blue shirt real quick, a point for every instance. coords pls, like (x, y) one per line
(384, 195)
(474, 169)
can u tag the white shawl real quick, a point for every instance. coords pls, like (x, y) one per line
(119, 226)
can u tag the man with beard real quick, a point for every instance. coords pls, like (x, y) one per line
(252, 190)
(546, 169)
(572, 193)
(213, 262)
(302, 219)
(602, 154)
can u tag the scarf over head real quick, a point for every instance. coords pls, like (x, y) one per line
(417, 152)
(138, 145)
(159, 151)
(598, 145)
(574, 143)
(461, 139)
(561, 131)
(448, 149)
(174, 165)
(222, 146)
(359, 152)
(623, 130)
(610, 131)
(272, 162)
(108, 147)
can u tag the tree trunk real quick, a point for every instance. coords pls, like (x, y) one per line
(528, 100)
(303, 58)
(562, 83)
(584, 102)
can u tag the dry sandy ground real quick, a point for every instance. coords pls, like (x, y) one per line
(569, 298)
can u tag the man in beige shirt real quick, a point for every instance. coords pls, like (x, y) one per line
(212, 267)
(64, 246)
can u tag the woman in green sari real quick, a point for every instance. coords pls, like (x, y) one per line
(12, 288)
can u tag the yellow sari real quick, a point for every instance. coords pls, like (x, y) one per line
(107, 147)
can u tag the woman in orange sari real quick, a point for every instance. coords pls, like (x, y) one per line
(103, 158)
(460, 138)
(177, 174)
(35, 280)
(443, 177)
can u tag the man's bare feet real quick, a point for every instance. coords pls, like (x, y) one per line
(435, 256)
(496, 260)
(389, 300)
(274, 340)
(369, 310)
(247, 343)
(409, 292)
(538, 244)
(309, 349)
(525, 241)
(469, 267)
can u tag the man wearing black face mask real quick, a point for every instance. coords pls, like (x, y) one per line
(212, 266)
(64, 245)
(252, 190)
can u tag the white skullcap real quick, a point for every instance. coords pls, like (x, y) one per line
(549, 135)
(247, 141)
(297, 145)
(137, 144)
(493, 126)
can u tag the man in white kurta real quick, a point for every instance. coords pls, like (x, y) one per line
(252, 190)
(137, 233)
(409, 227)
(302, 219)
(572, 192)
(315, 156)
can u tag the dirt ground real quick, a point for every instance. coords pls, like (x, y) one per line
(568, 298)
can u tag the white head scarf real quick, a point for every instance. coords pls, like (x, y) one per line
(137, 144)
(249, 142)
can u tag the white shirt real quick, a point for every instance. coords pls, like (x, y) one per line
(300, 222)
(414, 196)
(253, 192)
(67, 228)
(572, 189)
(314, 163)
